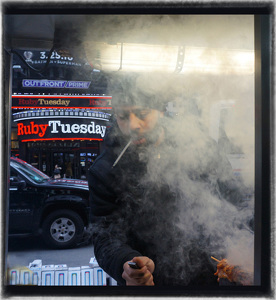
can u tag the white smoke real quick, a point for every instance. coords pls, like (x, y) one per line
(194, 96)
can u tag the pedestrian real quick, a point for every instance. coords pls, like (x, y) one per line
(68, 171)
(57, 171)
(163, 196)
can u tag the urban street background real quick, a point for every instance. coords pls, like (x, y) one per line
(22, 251)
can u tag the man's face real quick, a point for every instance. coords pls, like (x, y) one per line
(139, 123)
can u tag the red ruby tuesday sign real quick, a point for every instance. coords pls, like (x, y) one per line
(88, 102)
(62, 128)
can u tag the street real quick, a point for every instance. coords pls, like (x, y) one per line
(22, 251)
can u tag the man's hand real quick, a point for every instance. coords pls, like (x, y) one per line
(233, 273)
(142, 276)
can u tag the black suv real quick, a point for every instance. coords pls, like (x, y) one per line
(57, 209)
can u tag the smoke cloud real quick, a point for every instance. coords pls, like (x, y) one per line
(212, 125)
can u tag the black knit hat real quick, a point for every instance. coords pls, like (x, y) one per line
(129, 89)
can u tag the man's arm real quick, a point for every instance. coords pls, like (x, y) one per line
(109, 233)
(110, 246)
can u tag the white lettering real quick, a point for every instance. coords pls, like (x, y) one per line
(98, 129)
(77, 128)
(54, 123)
(83, 128)
(91, 128)
(103, 131)
(67, 130)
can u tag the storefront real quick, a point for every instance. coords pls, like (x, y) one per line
(74, 157)
(60, 112)
(63, 130)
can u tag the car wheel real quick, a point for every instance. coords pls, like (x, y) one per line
(62, 229)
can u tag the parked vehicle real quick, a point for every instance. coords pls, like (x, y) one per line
(56, 209)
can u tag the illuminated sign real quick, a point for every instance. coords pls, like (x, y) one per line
(78, 84)
(82, 102)
(61, 125)
(51, 129)
(40, 57)
(55, 84)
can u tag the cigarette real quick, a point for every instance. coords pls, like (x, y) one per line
(122, 153)
(215, 259)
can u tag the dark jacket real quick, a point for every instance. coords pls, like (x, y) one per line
(147, 206)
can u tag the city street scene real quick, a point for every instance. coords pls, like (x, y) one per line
(23, 251)
(131, 151)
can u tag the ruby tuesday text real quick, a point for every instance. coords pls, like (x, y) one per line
(61, 102)
(57, 127)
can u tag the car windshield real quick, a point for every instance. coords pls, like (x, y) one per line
(30, 171)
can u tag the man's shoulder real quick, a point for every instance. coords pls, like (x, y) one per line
(103, 163)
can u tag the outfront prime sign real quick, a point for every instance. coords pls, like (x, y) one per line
(44, 83)
(59, 128)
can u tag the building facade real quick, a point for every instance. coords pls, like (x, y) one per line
(59, 116)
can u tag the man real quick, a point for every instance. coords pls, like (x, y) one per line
(162, 200)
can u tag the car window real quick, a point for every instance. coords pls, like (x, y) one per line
(30, 172)
(13, 173)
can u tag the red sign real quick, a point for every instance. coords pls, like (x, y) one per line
(58, 102)
(32, 128)
(63, 128)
